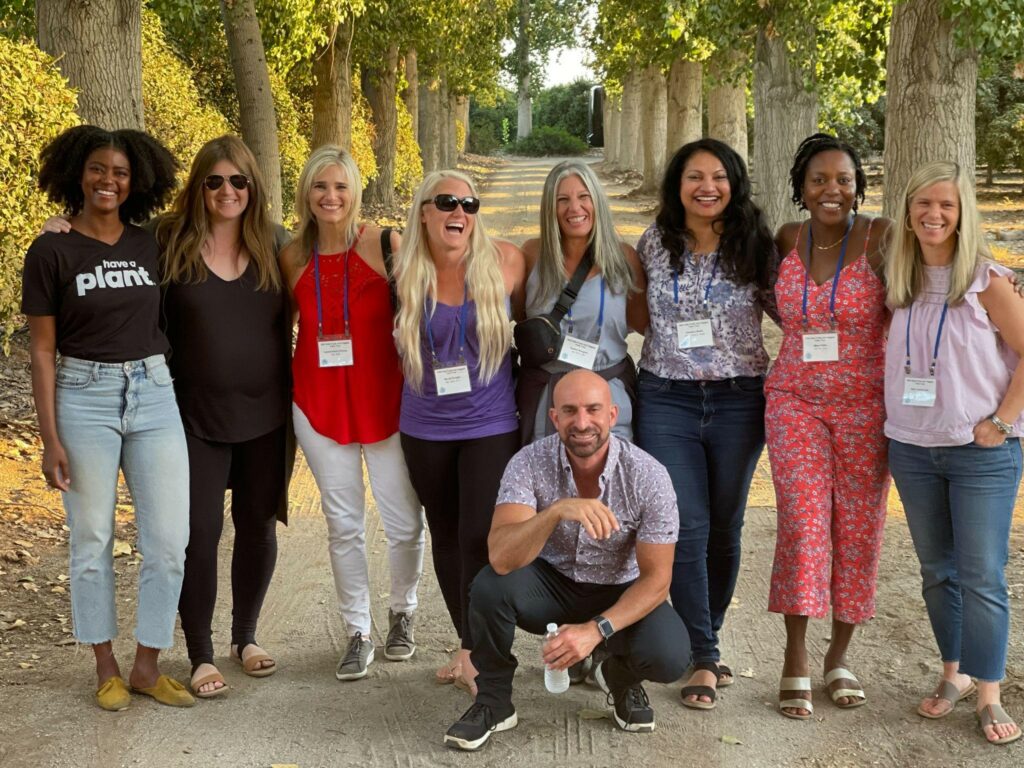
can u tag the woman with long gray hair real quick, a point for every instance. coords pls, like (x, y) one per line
(576, 224)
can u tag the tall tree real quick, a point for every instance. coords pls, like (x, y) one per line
(332, 87)
(539, 27)
(255, 99)
(98, 47)
(933, 65)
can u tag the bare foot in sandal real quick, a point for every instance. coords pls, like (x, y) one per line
(941, 703)
(254, 660)
(207, 681)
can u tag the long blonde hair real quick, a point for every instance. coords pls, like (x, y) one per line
(182, 233)
(607, 244)
(416, 279)
(904, 268)
(320, 160)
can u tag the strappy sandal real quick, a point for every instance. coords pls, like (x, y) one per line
(857, 694)
(796, 684)
(701, 690)
(252, 664)
(947, 691)
(994, 714)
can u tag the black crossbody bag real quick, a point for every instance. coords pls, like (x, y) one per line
(537, 337)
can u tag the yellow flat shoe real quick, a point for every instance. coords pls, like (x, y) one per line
(168, 691)
(113, 695)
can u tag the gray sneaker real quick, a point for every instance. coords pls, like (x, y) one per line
(356, 659)
(401, 644)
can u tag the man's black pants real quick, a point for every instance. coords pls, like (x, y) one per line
(656, 648)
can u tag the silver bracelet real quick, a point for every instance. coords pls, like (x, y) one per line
(1002, 426)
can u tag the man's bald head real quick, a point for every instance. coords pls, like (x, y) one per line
(583, 412)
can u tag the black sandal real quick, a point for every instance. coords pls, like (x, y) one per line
(725, 676)
(701, 690)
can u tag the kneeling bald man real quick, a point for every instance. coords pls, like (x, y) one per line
(583, 535)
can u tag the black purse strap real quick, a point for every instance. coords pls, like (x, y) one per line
(389, 266)
(572, 288)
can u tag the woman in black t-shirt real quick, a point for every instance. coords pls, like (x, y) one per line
(92, 296)
(228, 323)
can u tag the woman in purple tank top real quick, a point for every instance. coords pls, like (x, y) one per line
(456, 287)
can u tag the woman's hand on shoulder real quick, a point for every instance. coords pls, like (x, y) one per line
(56, 224)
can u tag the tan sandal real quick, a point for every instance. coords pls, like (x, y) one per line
(947, 691)
(210, 677)
(857, 694)
(994, 714)
(796, 684)
(252, 663)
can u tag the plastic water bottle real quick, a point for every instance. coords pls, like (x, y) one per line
(555, 680)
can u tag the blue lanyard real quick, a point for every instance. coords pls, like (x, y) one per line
(463, 312)
(835, 280)
(319, 301)
(938, 337)
(707, 288)
(600, 314)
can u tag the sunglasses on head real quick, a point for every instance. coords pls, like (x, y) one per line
(448, 203)
(215, 181)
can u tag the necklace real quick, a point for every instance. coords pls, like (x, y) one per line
(831, 245)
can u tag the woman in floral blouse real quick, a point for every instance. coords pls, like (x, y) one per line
(708, 260)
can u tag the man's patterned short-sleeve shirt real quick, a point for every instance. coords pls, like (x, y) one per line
(633, 485)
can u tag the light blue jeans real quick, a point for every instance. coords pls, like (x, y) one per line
(124, 416)
(959, 504)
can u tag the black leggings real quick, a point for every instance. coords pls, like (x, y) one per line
(254, 470)
(457, 484)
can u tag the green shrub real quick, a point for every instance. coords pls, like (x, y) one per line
(492, 125)
(566, 107)
(291, 143)
(549, 141)
(174, 111)
(408, 164)
(37, 105)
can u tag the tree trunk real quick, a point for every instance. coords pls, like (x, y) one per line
(430, 124)
(380, 86)
(461, 119)
(933, 118)
(654, 122)
(685, 116)
(727, 108)
(332, 90)
(447, 124)
(411, 94)
(524, 124)
(630, 134)
(785, 113)
(612, 116)
(98, 47)
(255, 100)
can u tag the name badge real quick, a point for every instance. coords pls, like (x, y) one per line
(919, 392)
(695, 333)
(578, 352)
(334, 351)
(821, 347)
(452, 380)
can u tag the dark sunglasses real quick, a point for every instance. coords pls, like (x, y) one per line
(215, 181)
(448, 203)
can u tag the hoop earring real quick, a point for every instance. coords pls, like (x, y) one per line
(906, 224)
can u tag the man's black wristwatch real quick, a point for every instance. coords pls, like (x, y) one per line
(604, 627)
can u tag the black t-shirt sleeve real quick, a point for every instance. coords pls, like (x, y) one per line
(39, 289)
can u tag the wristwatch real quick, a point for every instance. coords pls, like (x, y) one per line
(1002, 426)
(604, 627)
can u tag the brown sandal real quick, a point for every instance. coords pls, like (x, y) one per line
(210, 677)
(252, 664)
(994, 714)
(947, 691)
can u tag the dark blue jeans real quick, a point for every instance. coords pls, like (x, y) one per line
(709, 435)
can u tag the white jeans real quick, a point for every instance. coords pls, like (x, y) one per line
(338, 471)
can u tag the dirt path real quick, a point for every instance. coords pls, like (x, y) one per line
(396, 716)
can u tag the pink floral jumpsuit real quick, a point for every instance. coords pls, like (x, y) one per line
(828, 452)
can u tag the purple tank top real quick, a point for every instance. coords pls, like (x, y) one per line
(486, 410)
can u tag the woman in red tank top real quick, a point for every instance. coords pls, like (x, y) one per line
(346, 398)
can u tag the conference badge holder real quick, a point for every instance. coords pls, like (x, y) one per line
(335, 351)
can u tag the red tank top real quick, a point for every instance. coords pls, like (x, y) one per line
(359, 403)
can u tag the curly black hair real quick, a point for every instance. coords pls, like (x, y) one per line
(816, 144)
(745, 243)
(62, 162)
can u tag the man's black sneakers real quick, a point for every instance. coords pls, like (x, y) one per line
(630, 706)
(476, 725)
